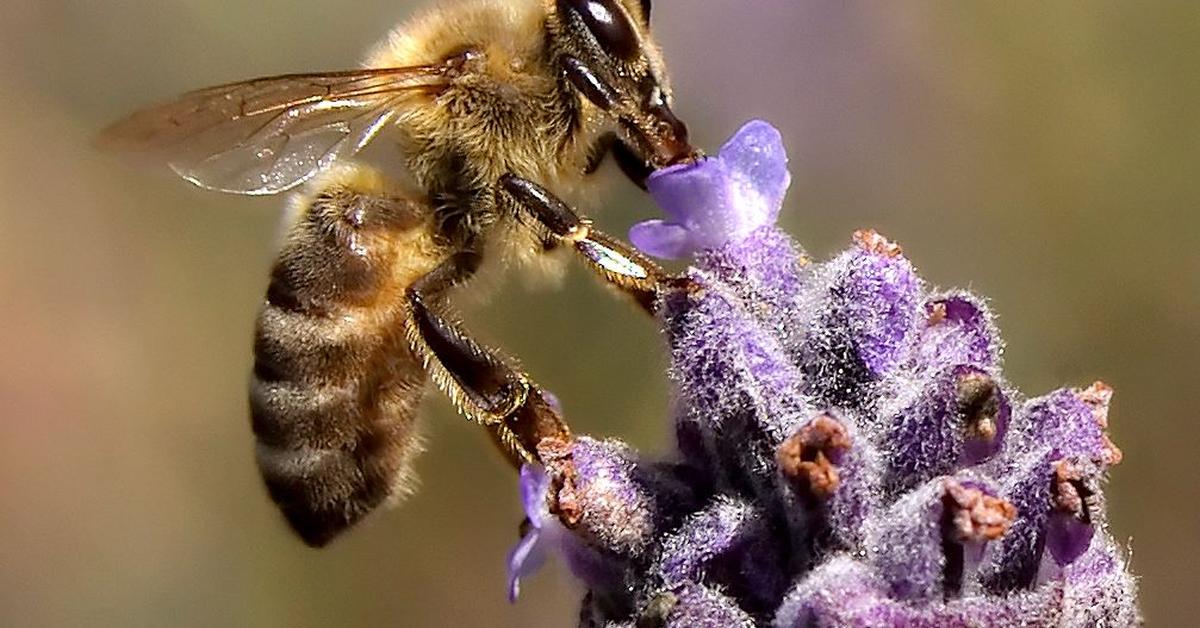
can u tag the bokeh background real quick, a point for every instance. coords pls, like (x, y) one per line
(1042, 153)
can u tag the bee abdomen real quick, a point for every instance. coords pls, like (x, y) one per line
(324, 490)
(330, 453)
(336, 387)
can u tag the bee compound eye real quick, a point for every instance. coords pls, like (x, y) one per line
(608, 23)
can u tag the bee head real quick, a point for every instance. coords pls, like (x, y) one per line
(605, 50)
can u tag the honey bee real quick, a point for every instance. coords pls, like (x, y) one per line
(497, 108)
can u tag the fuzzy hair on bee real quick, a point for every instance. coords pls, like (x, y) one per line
(498, 108)
(510, 110)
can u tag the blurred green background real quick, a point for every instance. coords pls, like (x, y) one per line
(1044, 154)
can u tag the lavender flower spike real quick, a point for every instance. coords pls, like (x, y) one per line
(848, 450)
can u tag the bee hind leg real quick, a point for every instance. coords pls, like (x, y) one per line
(481, 384)
(614, 261)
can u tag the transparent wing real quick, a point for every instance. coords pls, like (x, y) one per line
(268, 135)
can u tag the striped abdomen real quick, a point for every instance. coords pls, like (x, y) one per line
(336, 386)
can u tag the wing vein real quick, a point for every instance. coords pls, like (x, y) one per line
(265, 136)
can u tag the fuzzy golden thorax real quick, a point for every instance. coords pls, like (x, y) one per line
(508, 107)
(504, 111)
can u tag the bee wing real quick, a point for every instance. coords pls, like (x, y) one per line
(268, 135)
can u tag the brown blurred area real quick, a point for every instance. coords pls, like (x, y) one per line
(1042, 154)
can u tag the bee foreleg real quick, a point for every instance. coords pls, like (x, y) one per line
(478, 381)
(598, 151)
(614, 261)
(633, 166)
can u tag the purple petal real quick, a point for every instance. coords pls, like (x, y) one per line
(527, 557)
(718, 199)
(1076, 497)
(533, 485)
(690, 195)
(530, 552)
(665, 240)
(758, 161)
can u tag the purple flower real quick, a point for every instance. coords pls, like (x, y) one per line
(718, 199)
(848, 450)
(539, 531)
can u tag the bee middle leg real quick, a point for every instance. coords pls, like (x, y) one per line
(480, 383)
(613, 260)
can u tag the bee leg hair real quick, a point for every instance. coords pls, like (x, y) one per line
(614, 261)
(477, 379)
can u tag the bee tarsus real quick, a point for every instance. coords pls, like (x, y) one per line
(611, 259)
